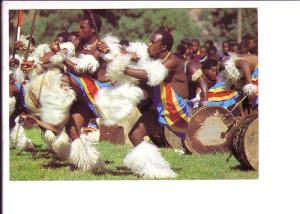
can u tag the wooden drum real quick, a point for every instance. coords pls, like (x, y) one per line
(245, 142)
(207, 130)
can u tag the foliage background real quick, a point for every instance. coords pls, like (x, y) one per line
(136, 24)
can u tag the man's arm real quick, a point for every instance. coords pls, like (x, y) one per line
(244, 65)
(137, 73)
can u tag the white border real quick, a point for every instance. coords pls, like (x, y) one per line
(276, 189)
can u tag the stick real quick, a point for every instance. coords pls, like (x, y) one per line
(18, 31)
(94, 23)
(30, 35)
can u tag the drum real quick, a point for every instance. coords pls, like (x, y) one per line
(171, 139)
(207, 130)
(245, 142)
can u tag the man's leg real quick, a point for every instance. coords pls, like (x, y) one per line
(146, 125)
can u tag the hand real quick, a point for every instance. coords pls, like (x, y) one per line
(14, 63)
(134, 57)
(55, 48)
(19, 45)
(102, 47)
(27, 66)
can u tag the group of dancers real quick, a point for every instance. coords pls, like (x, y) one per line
(81, 79)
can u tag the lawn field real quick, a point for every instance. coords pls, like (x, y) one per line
(41, 164)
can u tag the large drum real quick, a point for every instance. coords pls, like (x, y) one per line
(207, 130)
(245, 142)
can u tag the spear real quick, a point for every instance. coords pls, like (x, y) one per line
(30, 35)
(94, 23)
(18, 30)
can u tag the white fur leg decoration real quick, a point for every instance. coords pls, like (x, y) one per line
(114, 47)
(117, 102)
(49, 137)
(86, 63)
(93, 136)
(115, 69)
(18, 138)
(250, 89)
(145, 160)
(84, 154)
(55, 100)
(12, 105)
(61, 146)
(140, 49)
(156, 72)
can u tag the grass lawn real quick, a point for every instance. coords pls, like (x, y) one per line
(42, 165)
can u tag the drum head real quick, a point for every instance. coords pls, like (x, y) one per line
(251, 144)
(207, 130)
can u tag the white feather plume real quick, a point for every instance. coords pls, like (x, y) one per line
(250, 89)
(117, 102)
(145, 160)
(84, 155)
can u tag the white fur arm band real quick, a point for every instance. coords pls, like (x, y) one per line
(156, 72)
(58, 58)
(250, 89)
(86, 63)
(140, 49)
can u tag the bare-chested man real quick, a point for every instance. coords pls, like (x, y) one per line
(242, 72)
(169, 107)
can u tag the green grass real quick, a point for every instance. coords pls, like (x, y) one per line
(42, 164)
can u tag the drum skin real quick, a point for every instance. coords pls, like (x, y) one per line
(245, 142)
(197, 142)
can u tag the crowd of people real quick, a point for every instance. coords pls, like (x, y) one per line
(80, 78)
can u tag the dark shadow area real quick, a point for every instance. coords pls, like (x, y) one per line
(107, 162)
(57, 164)
(120, 171)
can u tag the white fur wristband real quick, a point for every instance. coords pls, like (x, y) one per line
(250, 89)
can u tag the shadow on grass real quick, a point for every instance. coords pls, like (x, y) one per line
(55, 164)
(120, 171)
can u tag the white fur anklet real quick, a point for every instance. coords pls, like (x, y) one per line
(145, 160)
(84, 155)
(49, 137)
(61, 146)
(18, 138)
